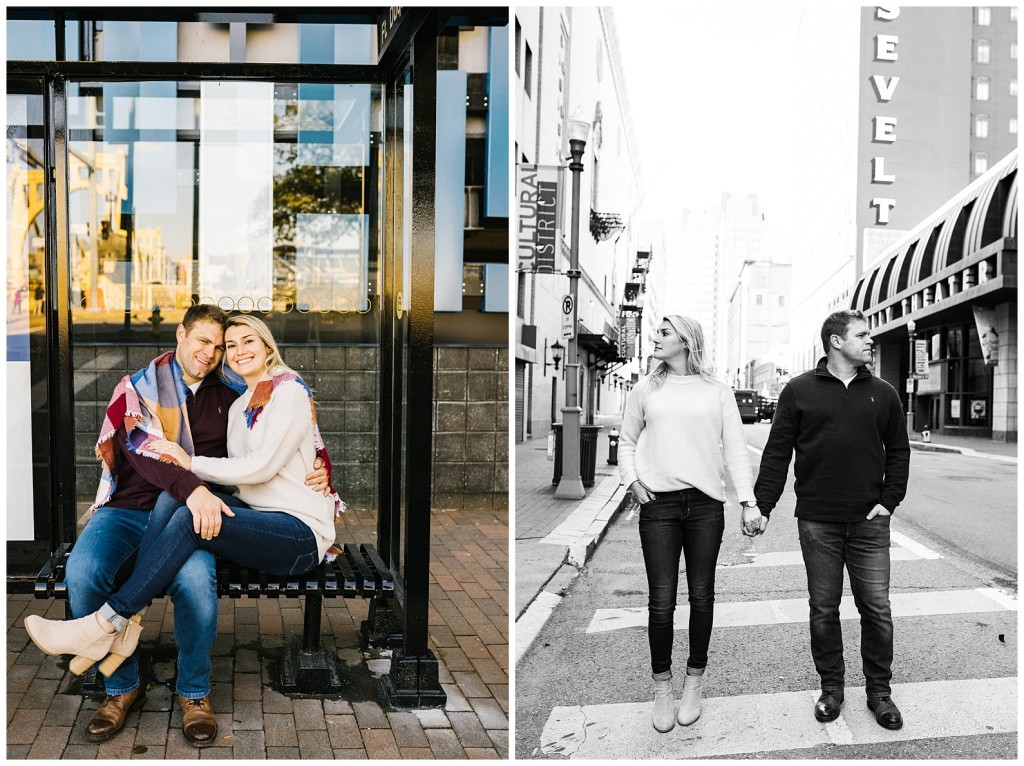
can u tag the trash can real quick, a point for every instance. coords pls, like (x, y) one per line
(588, 454)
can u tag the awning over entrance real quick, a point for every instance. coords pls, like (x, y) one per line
(603, 345)
(963, 254)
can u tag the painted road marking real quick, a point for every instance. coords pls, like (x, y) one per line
(916, 547)
(758, 723)
(732, 614)
(533, 619)
(792, 558)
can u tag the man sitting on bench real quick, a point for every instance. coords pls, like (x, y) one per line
(104, 555)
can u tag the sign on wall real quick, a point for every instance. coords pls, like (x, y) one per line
(985, 320)
(537, 235)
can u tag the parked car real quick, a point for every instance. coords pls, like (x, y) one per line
(766, 407)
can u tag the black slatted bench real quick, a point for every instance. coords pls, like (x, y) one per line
(306, 668)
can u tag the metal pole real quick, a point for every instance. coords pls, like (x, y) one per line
(912, 379)
(570, 486)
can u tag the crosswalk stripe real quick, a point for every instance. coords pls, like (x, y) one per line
(758, 723)
(730, 614)
(793, 558)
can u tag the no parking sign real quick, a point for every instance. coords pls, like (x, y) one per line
(568, 314)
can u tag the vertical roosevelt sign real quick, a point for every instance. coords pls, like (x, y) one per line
(537, 231)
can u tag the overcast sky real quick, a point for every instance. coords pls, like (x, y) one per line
(712, 92)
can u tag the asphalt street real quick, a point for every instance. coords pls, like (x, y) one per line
(583, 689)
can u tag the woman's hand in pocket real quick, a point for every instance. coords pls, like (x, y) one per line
(641, 493)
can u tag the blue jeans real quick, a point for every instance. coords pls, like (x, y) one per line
(692, 523)
(863, 547)
(103, 558)
(271, 541)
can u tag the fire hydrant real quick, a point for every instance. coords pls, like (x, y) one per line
(926, 434)
(154, 321)
(613, 447)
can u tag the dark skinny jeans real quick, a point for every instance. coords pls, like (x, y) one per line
(691, 523)
(271, 541)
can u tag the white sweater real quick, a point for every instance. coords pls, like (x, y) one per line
(269, 463)
(674, 438)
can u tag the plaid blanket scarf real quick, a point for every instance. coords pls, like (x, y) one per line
(150, 404)
(259, 399)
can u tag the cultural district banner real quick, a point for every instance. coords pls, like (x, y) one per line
(537, 234)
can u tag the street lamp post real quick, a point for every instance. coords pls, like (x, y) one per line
(911, 376)
(570, 486)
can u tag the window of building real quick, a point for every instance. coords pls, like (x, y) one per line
(984, 54)
(521, 295)
(981, 126)
(528, 70)
(1013, 125)
(519, 45)
(1013, 51)
(1013, 13)
(980, 162)
(758, 299)
(981, 86)
(600, 63)
(782, 300)
(1013, 87)
(984, 16)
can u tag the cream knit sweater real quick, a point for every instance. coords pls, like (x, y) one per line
(269, 462)
(674, 438)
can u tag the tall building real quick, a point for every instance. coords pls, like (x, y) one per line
(915, 103)
(758, 318)
(567, 63)
(687, 275)
(937, 108)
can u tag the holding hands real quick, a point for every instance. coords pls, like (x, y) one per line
(752, 523)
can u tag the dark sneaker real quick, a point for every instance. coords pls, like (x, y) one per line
(827, 707)
(886, 712)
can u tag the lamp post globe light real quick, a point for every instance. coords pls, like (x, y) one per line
(570, 486)
(911, 375)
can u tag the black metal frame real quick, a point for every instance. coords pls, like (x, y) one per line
(413, 680)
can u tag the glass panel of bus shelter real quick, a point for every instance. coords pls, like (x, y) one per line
(256, 196)
(27, 494)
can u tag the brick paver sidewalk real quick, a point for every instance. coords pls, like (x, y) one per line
(468, 626)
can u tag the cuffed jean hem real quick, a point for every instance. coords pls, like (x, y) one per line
(878, 695)
(115, 692)
(192, 695)
(832, 688)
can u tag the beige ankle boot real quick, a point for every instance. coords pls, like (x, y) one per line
(89, 638)
(693, 691)
(664, 702)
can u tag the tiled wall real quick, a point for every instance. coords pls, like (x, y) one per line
(470, 417)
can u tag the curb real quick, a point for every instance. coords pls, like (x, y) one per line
(928, 447)
(582, 531)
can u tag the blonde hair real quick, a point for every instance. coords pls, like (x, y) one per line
(275, 364)
(690, 332)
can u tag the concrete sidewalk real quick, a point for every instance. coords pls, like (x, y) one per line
(539, 513)
(468, 631)
(966, 445)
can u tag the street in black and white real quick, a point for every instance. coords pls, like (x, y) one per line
(584, 690)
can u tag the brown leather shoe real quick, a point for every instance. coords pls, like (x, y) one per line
(108, 720)
(198, 721)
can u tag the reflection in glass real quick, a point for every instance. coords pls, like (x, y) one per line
(25, 295)
(253, 196)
